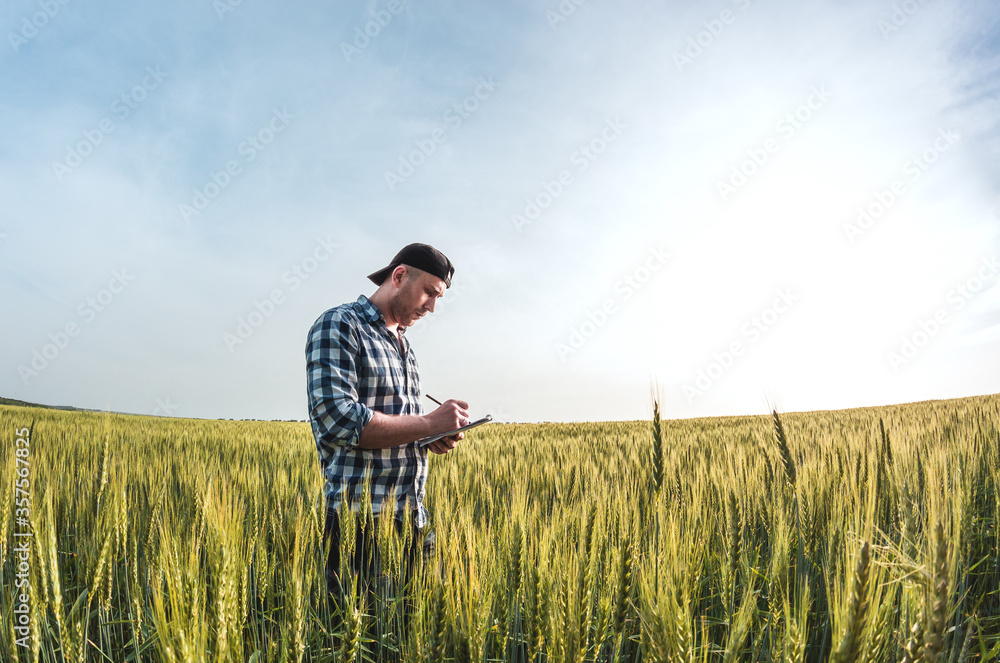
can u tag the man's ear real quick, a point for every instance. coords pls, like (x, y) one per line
(399, 275)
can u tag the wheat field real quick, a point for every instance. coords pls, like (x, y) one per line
(866, 535)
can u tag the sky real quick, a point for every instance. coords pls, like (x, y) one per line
(732, 205)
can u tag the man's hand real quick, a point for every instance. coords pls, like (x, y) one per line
(392, 430)
(445, 444)
(449, 415)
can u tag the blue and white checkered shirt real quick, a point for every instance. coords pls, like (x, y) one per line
(355, 366)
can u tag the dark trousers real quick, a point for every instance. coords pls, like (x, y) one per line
(366, 562)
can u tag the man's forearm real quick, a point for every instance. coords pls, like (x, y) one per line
(386, 430)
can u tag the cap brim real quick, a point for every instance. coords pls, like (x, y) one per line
(381, 275)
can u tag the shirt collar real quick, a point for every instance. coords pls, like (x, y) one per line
(368, 310)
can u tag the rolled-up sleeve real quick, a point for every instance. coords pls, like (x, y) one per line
(332, 356)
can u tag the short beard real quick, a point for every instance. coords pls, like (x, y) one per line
(404, 293)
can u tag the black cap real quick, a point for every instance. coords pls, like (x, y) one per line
(421, 256)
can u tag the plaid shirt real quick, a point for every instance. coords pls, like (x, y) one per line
(354, 367)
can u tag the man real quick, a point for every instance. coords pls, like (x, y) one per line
(365, 408)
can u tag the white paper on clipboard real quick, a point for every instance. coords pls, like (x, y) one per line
(424, 441)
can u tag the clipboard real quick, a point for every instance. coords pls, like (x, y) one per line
(424, 441)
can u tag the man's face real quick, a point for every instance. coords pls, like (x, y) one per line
(417, 295)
